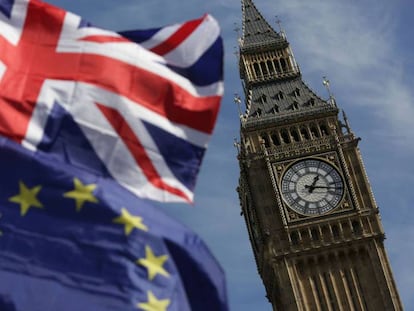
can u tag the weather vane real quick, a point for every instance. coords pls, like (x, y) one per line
(237, 30)
(237, 101)
(279, 23)
(236, 144)
(325, 82)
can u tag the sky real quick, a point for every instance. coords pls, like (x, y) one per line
(365, 49)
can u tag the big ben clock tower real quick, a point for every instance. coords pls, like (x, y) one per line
(312, 219)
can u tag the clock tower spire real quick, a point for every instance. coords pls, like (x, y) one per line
(312, 219)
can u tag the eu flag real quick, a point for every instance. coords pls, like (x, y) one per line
(71, 240)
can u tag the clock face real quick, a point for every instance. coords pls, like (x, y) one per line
(312, 187)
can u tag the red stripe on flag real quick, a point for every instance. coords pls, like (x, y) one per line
(179, 36)
(19, 86)
(104, 39)
(138, 151)
(152, 91)
(35, 60)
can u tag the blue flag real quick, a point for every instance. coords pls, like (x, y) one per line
(72, 241)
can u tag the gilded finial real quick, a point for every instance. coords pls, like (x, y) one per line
(237, 101)
(236, 144)
(279, 24)
(326, 83)
(348, 128)
(237, 31)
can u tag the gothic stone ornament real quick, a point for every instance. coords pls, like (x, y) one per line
(312, 187)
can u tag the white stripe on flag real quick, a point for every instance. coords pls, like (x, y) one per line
(60, 91)
(192, 48)
(112, 150)
(80, 99)
(11, 29)
(160, 36)
(2, 69)
(132, 54)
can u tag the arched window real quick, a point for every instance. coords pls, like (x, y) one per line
(275, 109)
(264, 68)
(305, 235)
(279, 96)
(304, 133)
(263, 99)
(271, 67)
(285, 137)
(325, 233)
(324, 129)
(335, 231)
(296, 92)
(356, 227)
(315, 234)
(294, 134)
(275, 139)
(256, 69)
(258, 112)
(264, 137)
(294, 238)
(283, 64)
(346, 230)
(276, 66)
(314, 131)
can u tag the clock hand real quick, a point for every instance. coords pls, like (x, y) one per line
(324, 187)
(312, 186)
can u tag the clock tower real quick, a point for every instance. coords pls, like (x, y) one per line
(312, 218)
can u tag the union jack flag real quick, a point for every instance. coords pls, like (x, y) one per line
(136, 106)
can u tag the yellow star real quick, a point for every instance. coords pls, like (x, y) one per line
(27, 198)
(130, 222)
(153, 263)
(154, 304)
(81, 194)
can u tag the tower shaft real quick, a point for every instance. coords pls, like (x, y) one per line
(312, 218)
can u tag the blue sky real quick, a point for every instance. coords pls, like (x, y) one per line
(365, 49)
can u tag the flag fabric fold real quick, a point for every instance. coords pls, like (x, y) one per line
(72, 241)
(123, 95)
